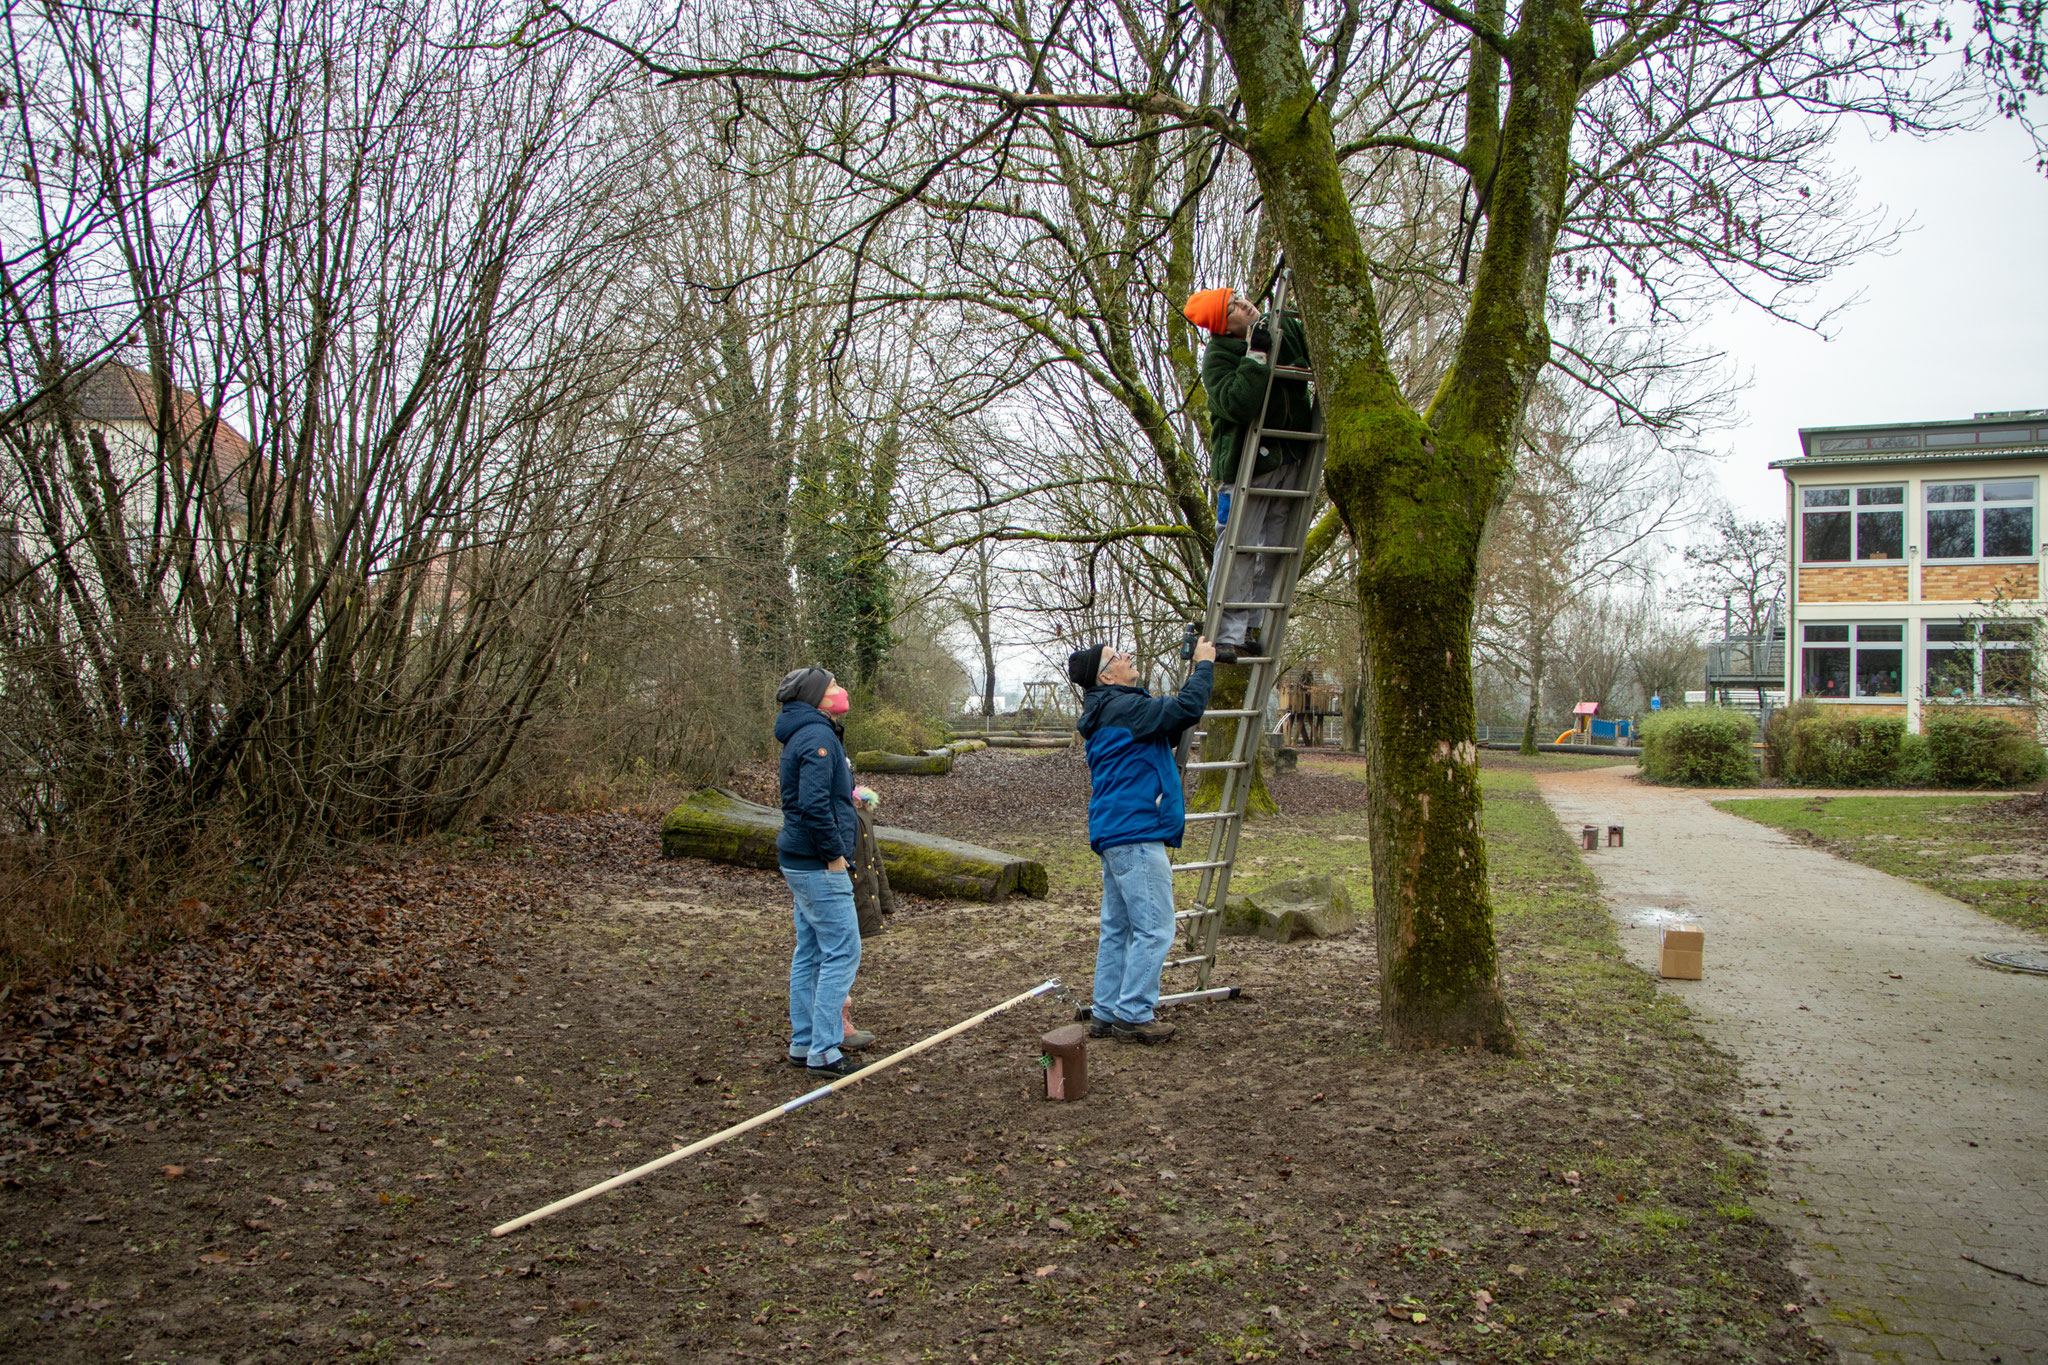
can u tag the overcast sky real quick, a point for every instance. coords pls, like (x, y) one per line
(1953, 323)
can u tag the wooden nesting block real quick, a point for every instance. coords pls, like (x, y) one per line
(1067, 1077)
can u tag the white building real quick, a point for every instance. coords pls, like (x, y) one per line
(1914, 559)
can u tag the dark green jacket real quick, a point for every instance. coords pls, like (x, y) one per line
(1236, 385)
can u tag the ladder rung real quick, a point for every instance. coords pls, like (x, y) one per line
(1193, 914)
(1185, 961)
(1199, 867)
(1227, 714)
(1200, 767)
(1253, 491)
(1209, 815)
(1272, 434)
(1264, 549)
(1293, 372)
(1246, 606)
(1255, 658)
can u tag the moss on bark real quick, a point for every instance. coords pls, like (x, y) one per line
(1228, 694)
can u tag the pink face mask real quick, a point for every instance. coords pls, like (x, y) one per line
(836, 702)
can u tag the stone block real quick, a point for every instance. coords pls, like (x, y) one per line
(1306, 907)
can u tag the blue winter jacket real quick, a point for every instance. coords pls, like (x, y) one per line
(818, 819)
(1134, 786)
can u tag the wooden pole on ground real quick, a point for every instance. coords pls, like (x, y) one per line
(769, 1116)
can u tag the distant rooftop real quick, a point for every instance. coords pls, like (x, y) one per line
(2020, 433)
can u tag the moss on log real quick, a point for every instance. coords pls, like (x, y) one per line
(720, 826)
(930, 763)
(967, 746)
(1030, 741)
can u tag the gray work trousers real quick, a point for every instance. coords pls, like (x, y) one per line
(1254, 576)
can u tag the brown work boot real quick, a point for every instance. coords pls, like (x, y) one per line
(1149, 1032)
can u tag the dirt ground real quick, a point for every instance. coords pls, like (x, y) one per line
(1271, 1185)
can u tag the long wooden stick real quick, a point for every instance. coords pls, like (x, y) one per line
(768, 1116)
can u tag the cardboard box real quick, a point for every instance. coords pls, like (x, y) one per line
(1684, 949)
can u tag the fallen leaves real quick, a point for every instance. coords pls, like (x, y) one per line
(243, 1007)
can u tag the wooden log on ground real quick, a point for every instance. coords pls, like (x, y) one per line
(967, 746)
(720, 826)
(1030, 741)
(930, 763)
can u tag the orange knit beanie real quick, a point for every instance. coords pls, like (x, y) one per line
(1208, 309)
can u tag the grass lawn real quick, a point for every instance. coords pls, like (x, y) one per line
(1989, 850)
(1272, 1185)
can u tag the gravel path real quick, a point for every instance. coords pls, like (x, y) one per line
(1903, 1084)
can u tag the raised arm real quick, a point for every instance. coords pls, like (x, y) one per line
(1156, 717)
(1234, 382)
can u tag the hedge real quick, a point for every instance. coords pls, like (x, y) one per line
(1838, 749)
(1699, 746)
(1968, 750)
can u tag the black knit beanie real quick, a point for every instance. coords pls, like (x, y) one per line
(806, 685)
(1084, 666)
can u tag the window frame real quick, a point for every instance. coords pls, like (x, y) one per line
(1978, 507)
(1856, 510)
(1973, 647)
(1854, 645)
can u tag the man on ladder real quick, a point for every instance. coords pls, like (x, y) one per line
(1236, 376)
(1264, 408)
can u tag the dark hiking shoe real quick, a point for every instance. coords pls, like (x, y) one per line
(1226, 654)
(845, 1066)
(1100, 1028)
(1149, 1032)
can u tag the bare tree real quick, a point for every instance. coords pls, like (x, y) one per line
(321, 448)
(1739, 565)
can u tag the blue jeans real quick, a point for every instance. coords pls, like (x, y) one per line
(1137, 931)
(822, 967)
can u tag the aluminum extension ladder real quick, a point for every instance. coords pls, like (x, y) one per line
(1203, 923)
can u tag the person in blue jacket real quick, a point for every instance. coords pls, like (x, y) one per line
(820, 828)
(1135, 813)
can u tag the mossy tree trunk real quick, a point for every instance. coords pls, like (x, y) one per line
(1414, 489)
(1228, 695)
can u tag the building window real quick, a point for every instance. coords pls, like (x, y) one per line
(1989, 520)
(1980, 659)
(1853, 662)
(1862, 523)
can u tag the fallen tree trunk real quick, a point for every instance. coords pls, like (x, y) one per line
(967, 746)
(931, 763)
(1029, 741)
(720, 826)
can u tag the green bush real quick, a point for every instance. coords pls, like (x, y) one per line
(1969, 750)
(1916, 765)
(1699, 746)
(1778, 735)
(873, 724)
(1838, 748)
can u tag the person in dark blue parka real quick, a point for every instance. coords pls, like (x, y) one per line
(1135, 813)
(820, 829)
